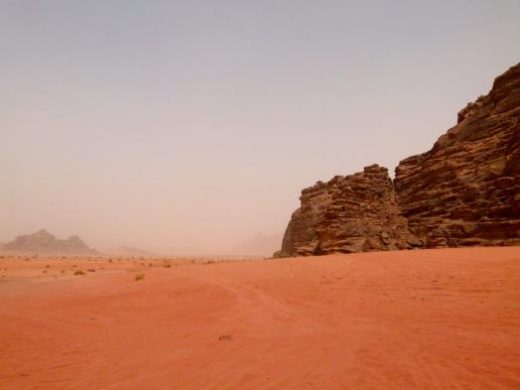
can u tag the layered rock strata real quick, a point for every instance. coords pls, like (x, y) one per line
(464, 191)
(348, 214)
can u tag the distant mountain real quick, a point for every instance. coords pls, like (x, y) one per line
(260, 245)
(128, 251)
(44, 242)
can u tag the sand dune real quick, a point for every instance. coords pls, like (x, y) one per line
(428, 319)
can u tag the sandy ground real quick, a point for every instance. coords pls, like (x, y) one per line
(430, 319)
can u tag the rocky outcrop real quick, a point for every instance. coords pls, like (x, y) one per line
(464, 191)
(348, 214)
(44, 242)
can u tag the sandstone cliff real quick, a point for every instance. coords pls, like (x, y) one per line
(348, 214)
(44, 242)
(464, 191)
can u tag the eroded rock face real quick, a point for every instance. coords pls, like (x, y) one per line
(348, 214)
(466, 189)
(44, 242)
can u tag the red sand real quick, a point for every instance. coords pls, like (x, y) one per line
(429, 319)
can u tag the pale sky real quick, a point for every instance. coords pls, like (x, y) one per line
(188, 127)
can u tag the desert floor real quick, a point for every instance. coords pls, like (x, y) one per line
(426, 319)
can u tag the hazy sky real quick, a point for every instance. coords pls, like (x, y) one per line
(191, 126)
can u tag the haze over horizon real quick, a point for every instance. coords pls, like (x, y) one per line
(191, 127)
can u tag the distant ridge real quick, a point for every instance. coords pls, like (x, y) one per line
(259, 245)
(129, 251)
(44, 242)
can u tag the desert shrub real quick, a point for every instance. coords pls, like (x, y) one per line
(139, 277)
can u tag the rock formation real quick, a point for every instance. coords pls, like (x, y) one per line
(464, 191)
(44, 242)
(355, 213)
